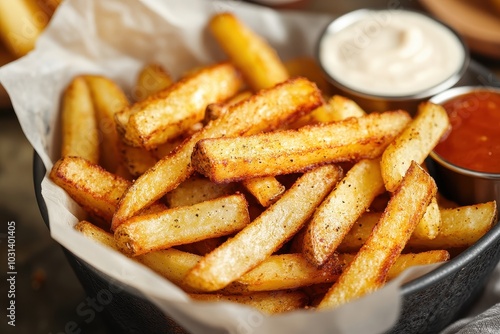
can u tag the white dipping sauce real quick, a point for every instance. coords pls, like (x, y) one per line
(391, 53)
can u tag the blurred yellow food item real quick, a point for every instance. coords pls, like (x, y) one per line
(22, 21)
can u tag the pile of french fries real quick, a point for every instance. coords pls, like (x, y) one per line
(247, 181)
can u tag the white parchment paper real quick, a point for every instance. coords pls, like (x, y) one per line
(116, 38)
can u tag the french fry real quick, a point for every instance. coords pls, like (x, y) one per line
(227, 159)
(263, 111)
(168, 113)
(197, 189)
(151, 79)
(272, 302)
(408, 260)
(337, 108)
(460, 227)
(108, 99)
(91, 186)
(95, 189)
(414, 143)
(341, 209)
(428, 227)
(286, 271)
(266, 233)
(96, 233)
(368, 270)
(80, 136)
(257, 60)
(21, 22)
(266, 190)
(182, 225)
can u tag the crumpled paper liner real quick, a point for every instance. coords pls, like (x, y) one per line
(116, 38)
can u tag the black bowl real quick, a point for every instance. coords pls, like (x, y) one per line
(429, 303)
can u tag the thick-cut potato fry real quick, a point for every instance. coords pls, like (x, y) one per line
(197, 189)
(108, 99)
(286, 271)
(460, 227)
(408, 260)
(414, 143)
(257, 60)
(266, 190)
(368, 271)
(428, 226)
(337, 108)
(262, 68)
(80, 136)
(266, 233)
(183, 225)
(168, 113)
(151, 79)
(21, 22)
(228, 159)
(341, 209)
(265, 110)
(91, 186)
(268, 302)
(95, 189)
(137, 160)
(96, 233)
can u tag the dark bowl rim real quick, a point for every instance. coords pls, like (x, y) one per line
(425, 281)
(429, 92)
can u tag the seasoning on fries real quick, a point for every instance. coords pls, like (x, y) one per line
(239, 183)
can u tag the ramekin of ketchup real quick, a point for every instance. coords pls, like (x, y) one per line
(466, 162)
(473, 141)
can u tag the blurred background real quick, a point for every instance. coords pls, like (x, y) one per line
(47, 291)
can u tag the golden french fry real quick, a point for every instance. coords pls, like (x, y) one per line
(337, 108)
(198, 189)
(108, 99)
(263, 111)
(460, 227)
(170, 263)
(266, 233)
(182, 225)
(268, 302)
(414, 143)
(151, 79)
(408, 260)
(172, 111)
(428, 226)
(286, 271)
(96, 233)
(21, 22)
(228, 159)
(95, 189)
(91, 186)
(368, 270)
(341, 209)
(266, 190)
(257, 60)
(80, 135)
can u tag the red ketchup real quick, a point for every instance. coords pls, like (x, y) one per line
(474, 139)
